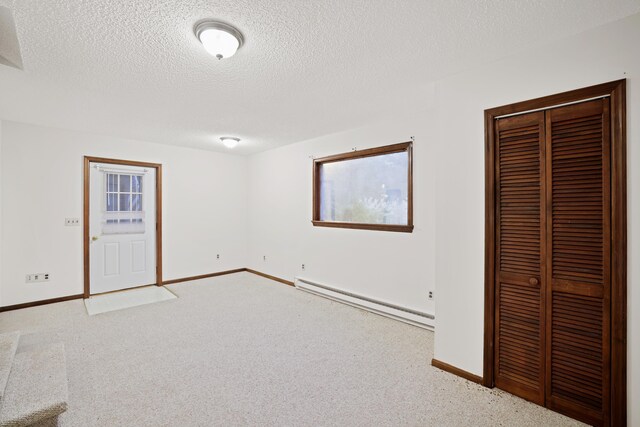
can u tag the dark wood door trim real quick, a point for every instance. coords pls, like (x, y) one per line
(616, 90)
(85, 215)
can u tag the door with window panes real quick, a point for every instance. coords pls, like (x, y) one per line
(122, 227)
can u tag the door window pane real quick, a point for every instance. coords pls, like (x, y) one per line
(125, 183)
(112, 202)
(124, 211)
(136, 202)
(125, 202)
(112, 183)
(136, 184)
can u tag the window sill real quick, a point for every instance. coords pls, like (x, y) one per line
(359, 226)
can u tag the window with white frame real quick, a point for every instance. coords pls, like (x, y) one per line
(123, 211)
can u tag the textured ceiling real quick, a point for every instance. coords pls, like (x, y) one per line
(134, 69)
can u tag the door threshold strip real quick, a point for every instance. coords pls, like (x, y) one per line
(127, 299)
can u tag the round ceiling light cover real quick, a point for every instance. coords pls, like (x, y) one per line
(219, 39)
(230, 141)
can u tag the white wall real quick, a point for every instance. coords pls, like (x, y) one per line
(389, 266)
(204, 206)
(605, 54)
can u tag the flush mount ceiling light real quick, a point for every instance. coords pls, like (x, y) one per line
(230, 141)
(219, 39)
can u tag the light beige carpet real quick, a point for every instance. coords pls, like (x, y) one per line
(243, 350)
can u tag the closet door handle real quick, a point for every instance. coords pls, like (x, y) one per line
(533, 281)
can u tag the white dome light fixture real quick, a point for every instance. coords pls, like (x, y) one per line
(230, 141)
(219, 39)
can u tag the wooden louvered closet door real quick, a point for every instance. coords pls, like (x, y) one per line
(578, 260)
(520, 242)
(552, 319)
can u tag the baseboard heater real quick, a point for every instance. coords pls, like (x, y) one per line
(403, 314)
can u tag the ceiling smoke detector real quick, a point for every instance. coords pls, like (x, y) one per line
(219, 39)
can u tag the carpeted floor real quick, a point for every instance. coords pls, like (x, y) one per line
(243, 350)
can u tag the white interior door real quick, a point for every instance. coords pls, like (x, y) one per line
(122, 227)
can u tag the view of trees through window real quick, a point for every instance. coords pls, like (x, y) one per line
(368, 190)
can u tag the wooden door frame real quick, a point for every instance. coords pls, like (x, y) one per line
(86, 207)
(616, 91)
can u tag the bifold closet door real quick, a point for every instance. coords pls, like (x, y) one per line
(519, 362)
(578, 260)
(553, 252)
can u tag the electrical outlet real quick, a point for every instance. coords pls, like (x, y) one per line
(218, 256)
(303, 267)
(71, 222)
(37, 277)
(430, 294)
